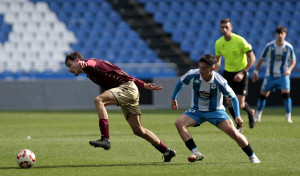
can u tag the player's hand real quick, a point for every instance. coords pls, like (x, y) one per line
(82, 64)
(152, 86)
(254, 77)
(174, 104)
(239, 76)
(239, 120)
(287, 73)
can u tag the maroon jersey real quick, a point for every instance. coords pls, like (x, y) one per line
(108, 75)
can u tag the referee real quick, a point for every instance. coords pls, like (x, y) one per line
(235, 50)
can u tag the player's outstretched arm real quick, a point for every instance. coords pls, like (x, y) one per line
(152, 86)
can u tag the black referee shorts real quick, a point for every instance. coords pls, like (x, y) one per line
(240, 88)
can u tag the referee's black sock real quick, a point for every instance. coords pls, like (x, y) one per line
(190, 144)
(248, 150)
(247, 109)
(233, 116)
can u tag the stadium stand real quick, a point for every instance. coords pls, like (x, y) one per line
(36, 34)
(255, 20)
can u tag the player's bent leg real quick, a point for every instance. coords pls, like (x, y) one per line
(137, 128)
(227, 127)
(182, 124)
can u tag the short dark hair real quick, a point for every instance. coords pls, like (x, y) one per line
(209, 59)
(225, 20)
(280, 29)
(74, 56)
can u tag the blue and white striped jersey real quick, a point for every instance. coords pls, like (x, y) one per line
(207, 96)
(278, 58)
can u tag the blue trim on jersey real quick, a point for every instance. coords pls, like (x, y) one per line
(179, 86)
(283, 63)
(272, 63)
(213, 103)
(236, 106)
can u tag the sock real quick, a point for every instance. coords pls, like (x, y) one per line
(231, 110)
(103, 124)
(247, 108)
(288, 105)
(261, 103)
(190, 144)
(288, 116)
(161, 147)
(248, 150)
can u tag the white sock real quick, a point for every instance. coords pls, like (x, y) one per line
(288, 116)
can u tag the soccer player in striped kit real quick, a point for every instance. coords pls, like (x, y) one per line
(281, 60)
(209, 87)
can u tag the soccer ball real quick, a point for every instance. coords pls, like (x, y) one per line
(26, 158)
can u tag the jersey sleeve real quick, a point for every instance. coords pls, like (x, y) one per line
(139, 83)
(187, 77)
(245, 45)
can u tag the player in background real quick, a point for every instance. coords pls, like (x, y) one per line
(121, 89)
(235, 50)
(281, 60)
(209, 87)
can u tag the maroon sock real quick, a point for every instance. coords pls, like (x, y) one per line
(103, 124)
(161, 147)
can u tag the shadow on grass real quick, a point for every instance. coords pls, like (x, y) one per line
(124, 165)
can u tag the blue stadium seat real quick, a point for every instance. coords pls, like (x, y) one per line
(134, 36)
(176, 6)
(80, 6)
(251, 5)
(181, 26)
(150, 7)
(191, 35)
(89, 16)
(238, 6)
(198, 16)
(223, 14)
(163, 6)
(200, 6)
(169, 26)
(226, 6)
(194, 26)
(172, 16)
(273, 15)
(68, 6)
(288, 6)
(236, 16)
(178, 36)
(276, 6)
(211, 16)
(186, 46)
(258, 24)
(188, 6)
(160, 17)
(93, 6)
(213, 6)
(260, 14)
(296, 15)
(286, 16)
(125, 54)
(270, 25)
(185, 16)
(263, 6)
(106, 7)
(114, 16)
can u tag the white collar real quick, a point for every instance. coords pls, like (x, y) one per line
(211, 79)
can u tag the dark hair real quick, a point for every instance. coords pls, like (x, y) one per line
(74, 56)
(280, 29)
(225, 20)
(209, 59)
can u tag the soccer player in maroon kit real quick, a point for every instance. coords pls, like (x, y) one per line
(121, 89)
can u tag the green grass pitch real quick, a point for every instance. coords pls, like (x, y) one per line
(59, 140)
